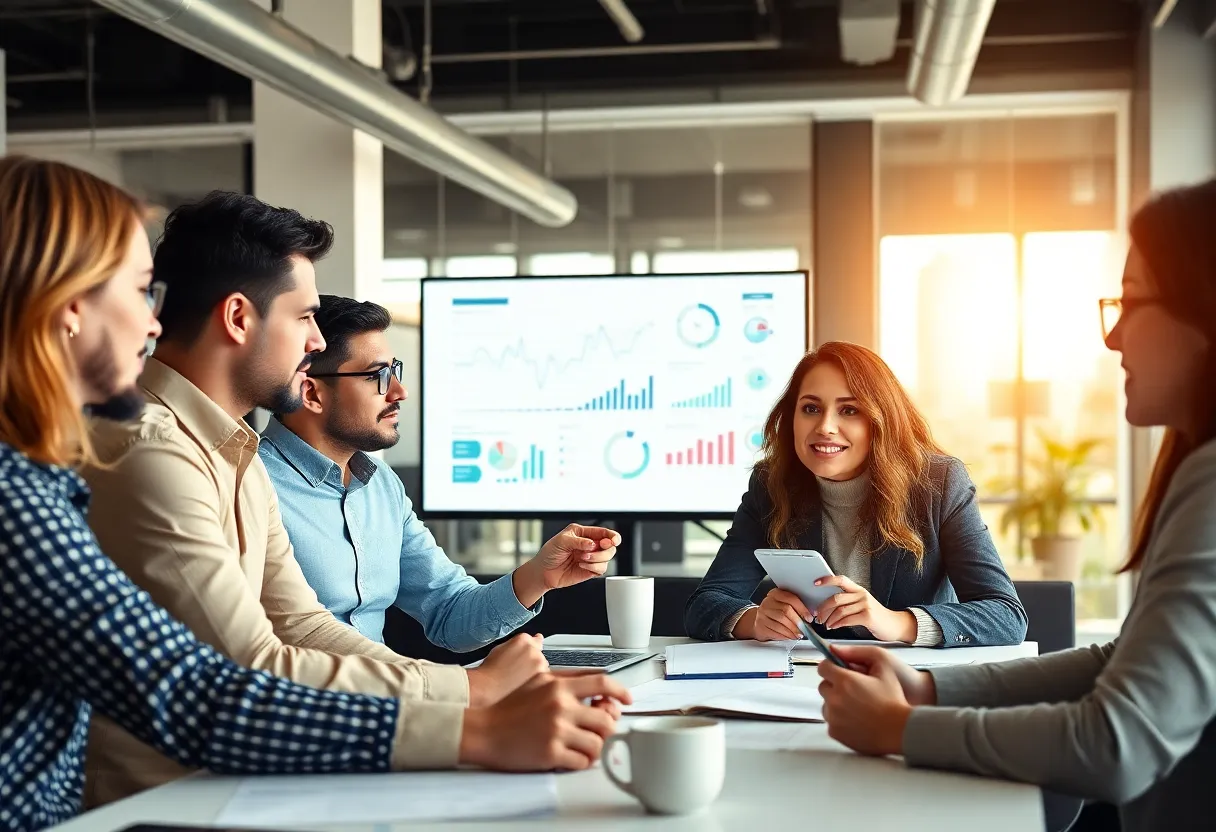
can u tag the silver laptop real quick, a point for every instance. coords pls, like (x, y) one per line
(570, 658)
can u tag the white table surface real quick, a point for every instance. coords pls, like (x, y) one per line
(782, 789)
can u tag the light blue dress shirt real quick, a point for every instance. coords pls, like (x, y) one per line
(363, 549)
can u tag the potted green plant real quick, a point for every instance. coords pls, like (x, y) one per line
(1053, 503)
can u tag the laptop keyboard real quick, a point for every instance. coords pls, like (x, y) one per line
(585, 658)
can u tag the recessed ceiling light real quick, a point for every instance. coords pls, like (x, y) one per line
(504, 248)
(409, 235)
(670, 242)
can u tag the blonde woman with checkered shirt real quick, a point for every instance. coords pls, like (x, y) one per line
(77, 309)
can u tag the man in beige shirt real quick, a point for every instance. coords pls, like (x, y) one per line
(183, 504)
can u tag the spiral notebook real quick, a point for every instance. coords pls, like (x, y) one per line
(730, 660)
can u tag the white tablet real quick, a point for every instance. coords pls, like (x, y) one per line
(796, 570)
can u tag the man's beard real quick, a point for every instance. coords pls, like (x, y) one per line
(279, 398)
(101, 371)
(362, 437)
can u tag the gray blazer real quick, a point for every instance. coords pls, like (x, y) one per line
(1131, 722)
(962, 583)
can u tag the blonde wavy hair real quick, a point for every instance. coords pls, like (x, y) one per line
(63, 234)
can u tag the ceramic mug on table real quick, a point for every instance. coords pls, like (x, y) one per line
(677, 764)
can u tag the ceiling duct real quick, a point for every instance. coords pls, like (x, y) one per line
(947, 39)
(247, 39)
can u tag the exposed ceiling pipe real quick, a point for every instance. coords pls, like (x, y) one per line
(1163, 13)
(761, 45)
(946, 41)
(630, 28)
(247, 39)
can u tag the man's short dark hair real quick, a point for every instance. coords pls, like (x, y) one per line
(229, 243)
(341, 319)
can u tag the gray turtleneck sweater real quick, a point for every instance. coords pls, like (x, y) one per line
(845, 550)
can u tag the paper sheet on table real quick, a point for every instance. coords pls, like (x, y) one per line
(920, 657)
(783, 699)
(318, 800)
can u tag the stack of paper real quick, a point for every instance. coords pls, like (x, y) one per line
(730, 660)
(782, 699)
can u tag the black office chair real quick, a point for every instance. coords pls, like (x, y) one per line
(1050, 612)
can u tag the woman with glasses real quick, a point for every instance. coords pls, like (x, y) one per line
(1130, 722)
(76, 636)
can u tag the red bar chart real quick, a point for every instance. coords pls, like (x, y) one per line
(719, 450)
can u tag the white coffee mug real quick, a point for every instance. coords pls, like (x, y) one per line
(630, 611)
(676, 763)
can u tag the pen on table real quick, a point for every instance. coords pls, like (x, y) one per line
(821, 645)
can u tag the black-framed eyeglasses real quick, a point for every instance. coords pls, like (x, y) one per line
(1112, 309)
(395, 370)
(156, 297)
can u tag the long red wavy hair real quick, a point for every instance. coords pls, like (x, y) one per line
(901, 449)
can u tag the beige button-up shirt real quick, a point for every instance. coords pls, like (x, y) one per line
(184, 506)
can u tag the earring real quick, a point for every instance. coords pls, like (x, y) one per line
(73, 330)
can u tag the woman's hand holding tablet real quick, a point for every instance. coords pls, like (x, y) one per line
(807, 589)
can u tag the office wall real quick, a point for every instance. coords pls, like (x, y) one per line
(1182, 99)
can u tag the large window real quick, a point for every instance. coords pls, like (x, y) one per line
(996, 239)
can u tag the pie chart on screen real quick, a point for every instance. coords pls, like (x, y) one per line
(757, 330)
(502, 455)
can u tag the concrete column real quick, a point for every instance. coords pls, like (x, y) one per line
(845, 278)
(326, 170)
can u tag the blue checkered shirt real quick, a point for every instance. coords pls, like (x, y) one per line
(76, 634)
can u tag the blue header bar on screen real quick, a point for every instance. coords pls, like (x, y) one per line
(479, 301)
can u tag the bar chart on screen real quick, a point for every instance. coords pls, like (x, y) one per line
(717, 450)
(720, 396)
(532, 469)
(620, 398)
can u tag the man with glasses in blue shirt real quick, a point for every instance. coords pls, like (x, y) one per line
(355, 533)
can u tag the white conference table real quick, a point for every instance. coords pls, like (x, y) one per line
(821, 784)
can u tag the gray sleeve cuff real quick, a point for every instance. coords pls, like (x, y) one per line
(928, 631)
(933, 739)
(728, 626)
